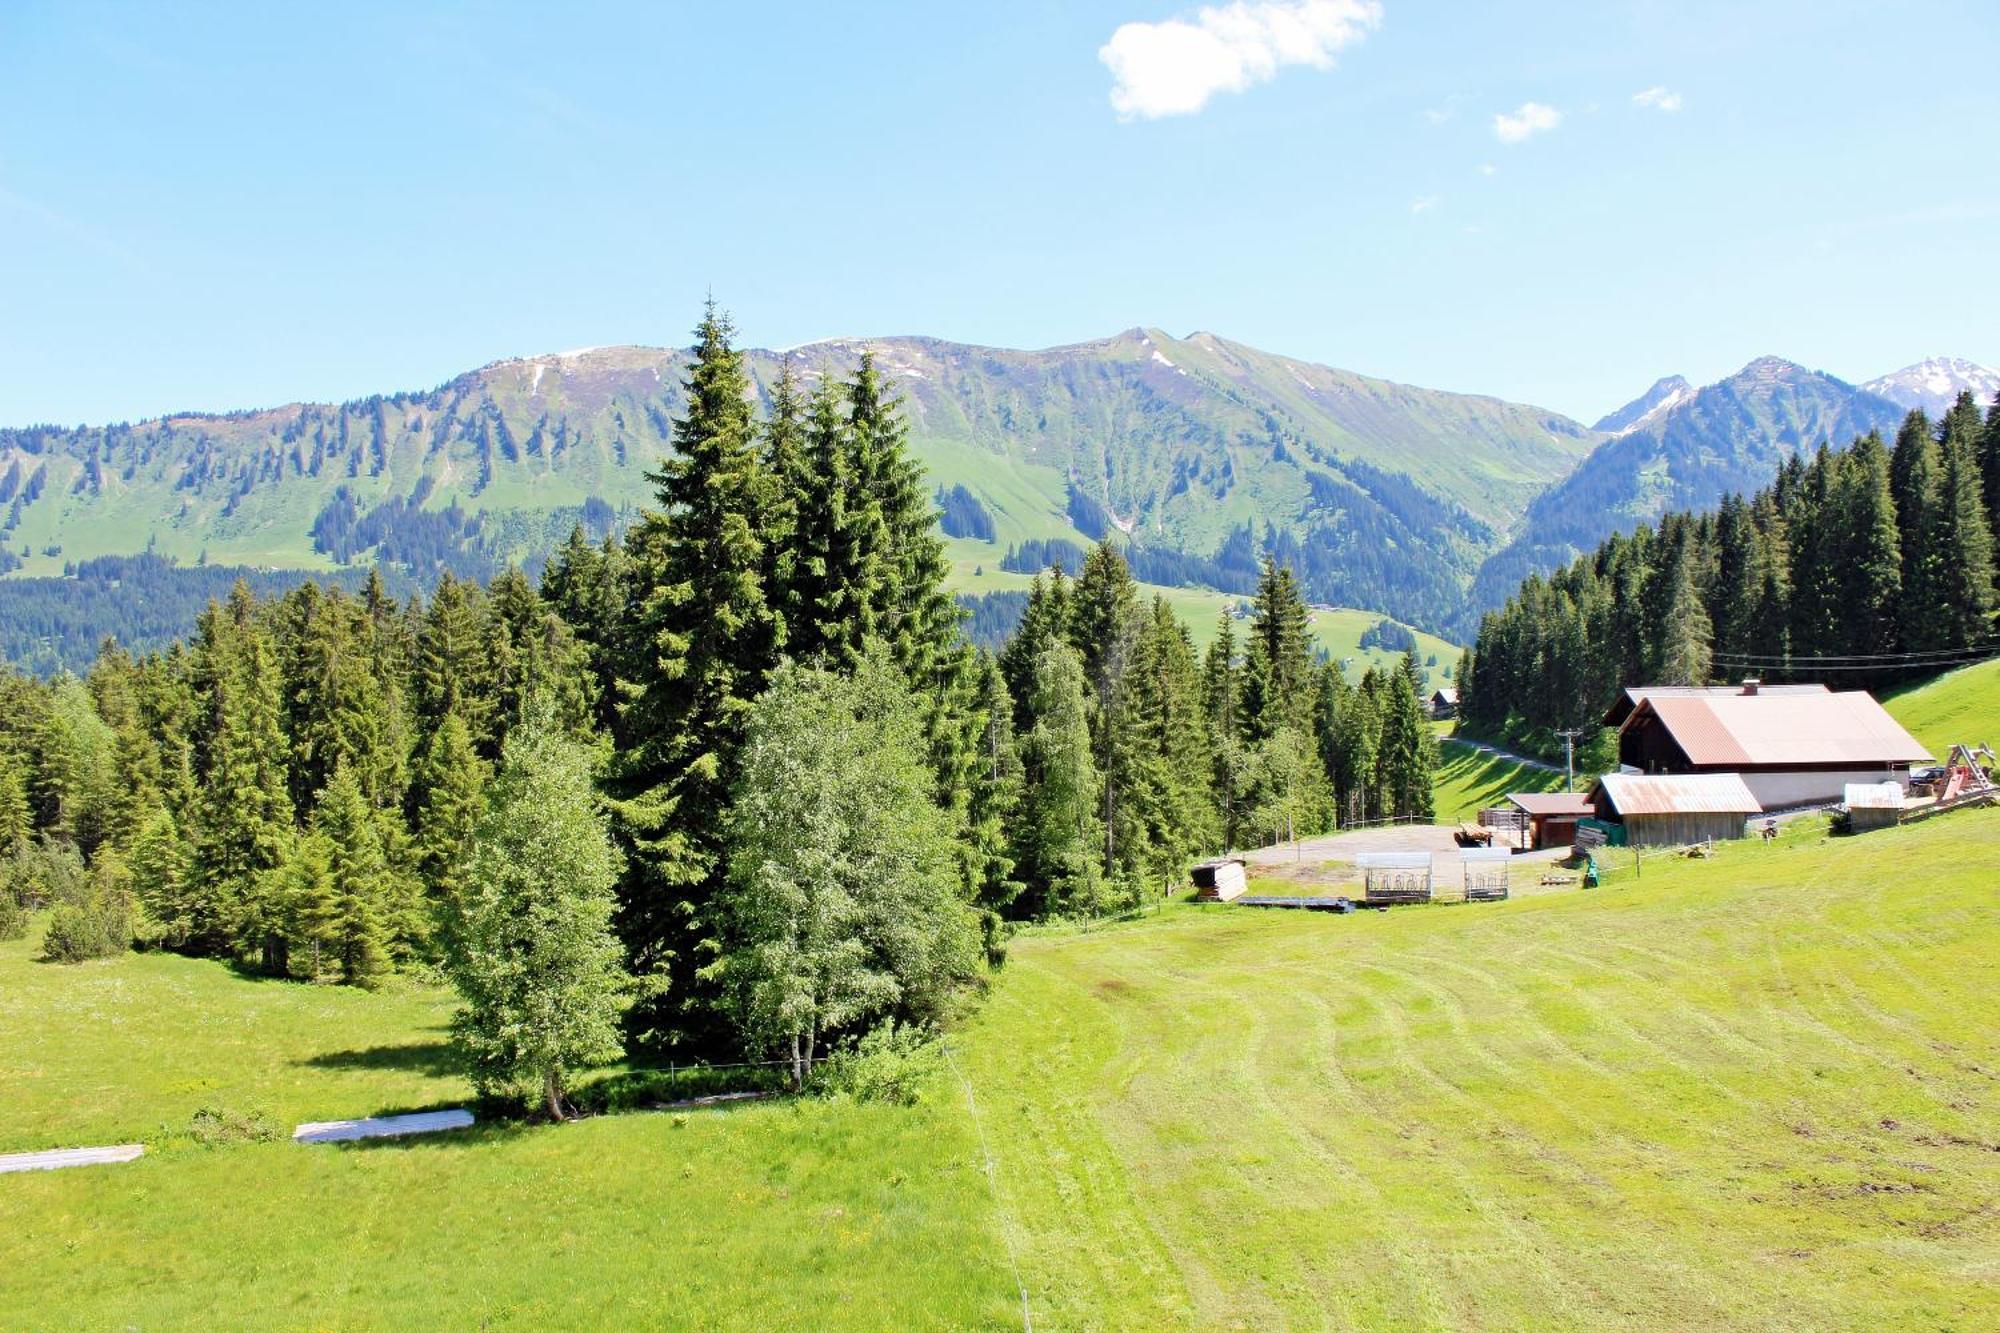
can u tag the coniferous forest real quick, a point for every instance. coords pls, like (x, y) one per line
(1862, 567)
(741, 770)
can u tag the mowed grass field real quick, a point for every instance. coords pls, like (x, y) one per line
(1959, 707)
(1470, 780)
(1757, 1092)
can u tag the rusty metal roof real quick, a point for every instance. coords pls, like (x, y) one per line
(1676, 794)
(1761, 729)
(1553, 802)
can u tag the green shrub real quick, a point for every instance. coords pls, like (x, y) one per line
(213, 1126)
(75, 934)
(893, 1064)
(13, 917)
(45, 871)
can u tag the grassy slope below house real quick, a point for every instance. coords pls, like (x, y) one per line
(1741, 1093)
(1960, 706)
(1744, 1092)
(1470, 780)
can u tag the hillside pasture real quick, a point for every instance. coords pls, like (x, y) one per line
(1958, 707)
(1751, 1092)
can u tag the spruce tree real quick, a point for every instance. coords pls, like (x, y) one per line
(1278, 663)
(452, 778)
(363, 911)
(1926, 548)
(827, 599)
(1221, 689)
(1059, 840)
(243, 821)
(1989, 464)
(994, 804)
(1963, 544)
(704, 639)
(1685, 650)
(1870, 572)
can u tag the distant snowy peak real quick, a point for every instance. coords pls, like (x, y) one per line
(1935, 384)
(1648, 407)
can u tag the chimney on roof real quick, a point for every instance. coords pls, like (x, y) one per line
(1750, 684)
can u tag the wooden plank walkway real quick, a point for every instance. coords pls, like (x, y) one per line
(382, 1127)
(61, 1157)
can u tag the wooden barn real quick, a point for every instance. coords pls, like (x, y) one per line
(1791, 745)
(1221, 880)
(1444, 702)
(1552, 816)
(1673, 810)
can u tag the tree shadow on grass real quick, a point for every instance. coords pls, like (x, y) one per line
(435, 1058)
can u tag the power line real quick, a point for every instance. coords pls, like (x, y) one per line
(1813, 669)
(1978, 654)
(1988, 646)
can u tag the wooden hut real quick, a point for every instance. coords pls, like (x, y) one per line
(1673, 810)
(1389, 878)
(1873, 805)
(1552, 816)
(1221, 880)
(1444, 702)
(1486, 872)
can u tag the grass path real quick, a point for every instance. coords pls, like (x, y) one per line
(1744, 1093)
(1474, 776)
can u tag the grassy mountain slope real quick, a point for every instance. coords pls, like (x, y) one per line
(1396, 492)
(1729, 436)
(1961, 707)
(1738, 1093)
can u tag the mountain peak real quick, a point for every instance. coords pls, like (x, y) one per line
(1666, 394)
(1934, 384)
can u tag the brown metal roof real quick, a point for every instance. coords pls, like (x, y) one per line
(1553, 802)
(1638, 694)
(1756, 730)
(1676, 794)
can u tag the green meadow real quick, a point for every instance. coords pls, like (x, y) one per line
(1751, 1092)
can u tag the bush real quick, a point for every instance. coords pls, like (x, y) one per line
(75, 934)
(13, 918)
(892, 1064)
(213, 1126)
(94, 921)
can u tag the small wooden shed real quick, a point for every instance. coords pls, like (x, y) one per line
(1221, 880)
(1486, 872)
(1389, 878)
(1552, 816)
(1873, 805)
(1444, 702)
(1673, 810)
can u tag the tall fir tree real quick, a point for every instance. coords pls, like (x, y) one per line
(705, 639)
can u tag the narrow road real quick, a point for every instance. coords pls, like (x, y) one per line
(1497, 752)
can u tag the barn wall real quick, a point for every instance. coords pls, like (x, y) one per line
(1681, 829)
(1775, 790)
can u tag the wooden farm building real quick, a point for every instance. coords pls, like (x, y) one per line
(1672, 810)
(1792, 745)
(1873, 805)
(1219, 881)
(1444, 702)
(1552, 816)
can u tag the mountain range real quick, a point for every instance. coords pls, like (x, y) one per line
(1419, 503)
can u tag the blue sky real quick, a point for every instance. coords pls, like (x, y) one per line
(232, 206)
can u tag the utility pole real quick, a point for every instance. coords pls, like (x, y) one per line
(1569, 736)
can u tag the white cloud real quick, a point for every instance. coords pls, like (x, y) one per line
(1173, 67)
(1532, 118)
(1658, 98)
(1488, 169)
(1424, 205)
